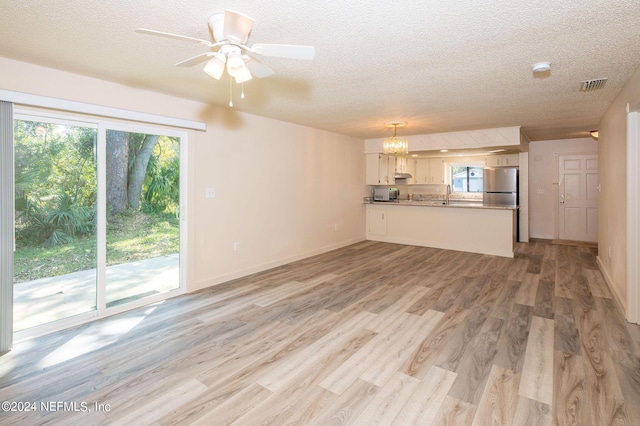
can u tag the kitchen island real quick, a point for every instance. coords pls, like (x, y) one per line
(470, 227)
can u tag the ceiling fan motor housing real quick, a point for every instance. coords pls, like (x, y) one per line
(231, 25)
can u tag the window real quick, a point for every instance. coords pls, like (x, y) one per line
(466, 178)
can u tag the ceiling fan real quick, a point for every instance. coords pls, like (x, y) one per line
(230, 33)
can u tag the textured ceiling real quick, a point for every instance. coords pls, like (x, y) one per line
(443, 65)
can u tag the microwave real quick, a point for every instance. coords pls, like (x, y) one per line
(385, 194)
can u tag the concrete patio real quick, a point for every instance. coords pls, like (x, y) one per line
(49, 299)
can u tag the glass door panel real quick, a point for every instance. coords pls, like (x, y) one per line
(55, 221)
(142, 205)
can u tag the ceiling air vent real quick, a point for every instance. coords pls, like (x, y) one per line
(591, 85)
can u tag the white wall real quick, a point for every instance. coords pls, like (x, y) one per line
(281, 189)
(612, 220)
(543, 173)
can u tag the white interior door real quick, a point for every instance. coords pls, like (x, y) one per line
(578, 197)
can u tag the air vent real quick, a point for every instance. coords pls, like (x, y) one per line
(591, 85)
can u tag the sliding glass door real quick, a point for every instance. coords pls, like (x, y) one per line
(97, 219)
(143, 199)
(55, 221)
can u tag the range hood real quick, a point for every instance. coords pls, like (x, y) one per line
(402, 175)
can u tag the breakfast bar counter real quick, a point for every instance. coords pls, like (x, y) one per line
(470, 227)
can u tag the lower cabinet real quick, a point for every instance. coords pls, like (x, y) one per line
(377, 221)
(470, 229)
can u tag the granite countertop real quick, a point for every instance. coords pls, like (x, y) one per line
(452, 204)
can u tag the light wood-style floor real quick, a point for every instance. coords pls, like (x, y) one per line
(373, 333)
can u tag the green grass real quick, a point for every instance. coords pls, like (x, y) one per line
(130, 236)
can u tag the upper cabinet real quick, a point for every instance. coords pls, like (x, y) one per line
(411, 169)
(401, 164)
(429, 170)
(502, 160)
(436, 170)
(422, 171)
(380, 169)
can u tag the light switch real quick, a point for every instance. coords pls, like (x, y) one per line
(210, 193)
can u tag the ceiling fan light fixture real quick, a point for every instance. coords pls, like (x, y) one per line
(235, 64)
(215, 66)
(243, 76)
(394, 144)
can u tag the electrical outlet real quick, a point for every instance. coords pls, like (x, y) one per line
(210, 193)
(336, 227)
(236, 246)
(539, 191)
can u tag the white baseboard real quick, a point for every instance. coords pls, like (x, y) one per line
(607, 278)
(270, 265)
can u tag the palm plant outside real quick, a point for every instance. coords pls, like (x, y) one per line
(56, 190)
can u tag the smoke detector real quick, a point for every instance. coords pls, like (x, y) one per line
(591, 85)
(541, 67)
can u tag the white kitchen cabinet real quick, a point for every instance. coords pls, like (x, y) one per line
(379, 169)
(411, 169)
(510, 160)
(401, 165)
(377, 221)
(388, 175)
(491, 161)
(502, 160)
(429, 170)
(436, 170)
(422, 171)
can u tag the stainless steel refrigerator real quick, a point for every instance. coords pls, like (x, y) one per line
(500, 186)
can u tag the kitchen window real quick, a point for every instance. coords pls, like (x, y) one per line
(466, 178)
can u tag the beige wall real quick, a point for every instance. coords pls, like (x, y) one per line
(612, 223)
(543, 172)
(281, 189)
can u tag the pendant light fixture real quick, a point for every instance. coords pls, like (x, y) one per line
(394, 144)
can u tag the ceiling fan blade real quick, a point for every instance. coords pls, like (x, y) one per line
(237, 26)
(257, 69)
(194, 60)
(285, 51)
(174, 36)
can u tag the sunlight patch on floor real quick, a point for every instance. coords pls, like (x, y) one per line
(95, 337)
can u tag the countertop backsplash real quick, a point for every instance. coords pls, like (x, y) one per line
(466, 196)
(429, 192)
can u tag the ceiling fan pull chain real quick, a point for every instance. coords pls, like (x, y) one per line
(230, 93)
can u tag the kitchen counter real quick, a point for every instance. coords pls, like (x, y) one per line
(433, 203)
(464, 226)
